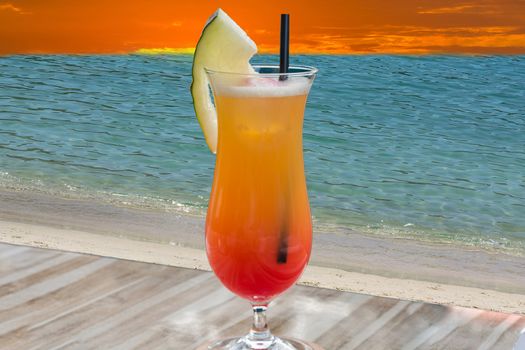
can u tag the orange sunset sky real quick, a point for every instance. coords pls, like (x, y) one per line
(352, 26)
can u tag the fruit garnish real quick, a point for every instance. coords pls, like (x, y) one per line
(225, 47)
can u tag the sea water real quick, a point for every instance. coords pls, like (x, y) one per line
(424, 147)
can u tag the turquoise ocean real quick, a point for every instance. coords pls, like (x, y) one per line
(423, 147)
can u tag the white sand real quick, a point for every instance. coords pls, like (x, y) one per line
(126, 248)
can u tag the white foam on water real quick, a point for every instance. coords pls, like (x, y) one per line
(263, 87)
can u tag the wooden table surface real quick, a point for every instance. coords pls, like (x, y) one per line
(58, 300)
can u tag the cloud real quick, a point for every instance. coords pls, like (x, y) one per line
(460, 9)
(441, 10)
(166, 51)
(6, 6)
(450, 31)
(416, 40)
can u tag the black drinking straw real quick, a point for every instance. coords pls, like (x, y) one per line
(285, 45)
(282, 252)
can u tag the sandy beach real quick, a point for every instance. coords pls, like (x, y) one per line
(355, 262)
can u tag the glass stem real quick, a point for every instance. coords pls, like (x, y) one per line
(260, 332)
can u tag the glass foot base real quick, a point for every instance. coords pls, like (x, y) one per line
(277, 344)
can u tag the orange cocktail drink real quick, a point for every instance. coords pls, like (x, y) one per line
(258, 227)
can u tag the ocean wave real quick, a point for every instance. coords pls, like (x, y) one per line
(432, 141)
(64, 190)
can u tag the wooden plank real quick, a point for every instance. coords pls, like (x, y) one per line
(54, 300)
(102, 315)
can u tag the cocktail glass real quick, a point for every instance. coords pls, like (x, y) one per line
(258, 226)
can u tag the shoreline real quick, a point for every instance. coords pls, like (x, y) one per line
(511, 246)
(124, 248)
(382, 266)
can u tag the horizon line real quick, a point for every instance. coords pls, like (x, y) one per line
(191, 51)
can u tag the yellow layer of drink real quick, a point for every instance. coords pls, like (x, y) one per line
(258, 227)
